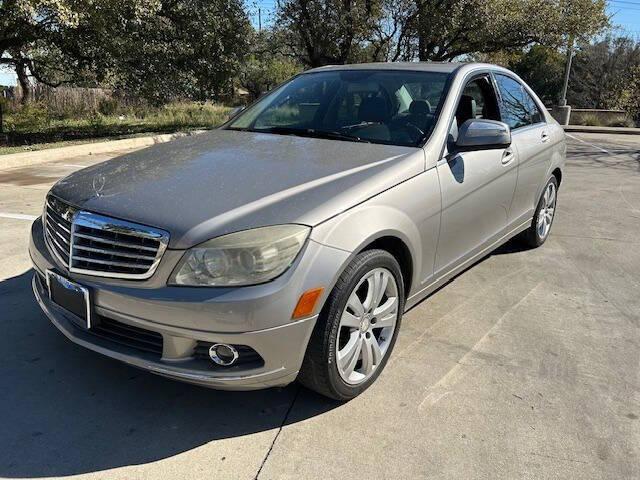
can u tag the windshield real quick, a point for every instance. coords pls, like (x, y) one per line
(390, 107)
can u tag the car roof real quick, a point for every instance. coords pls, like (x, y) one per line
(443, 67)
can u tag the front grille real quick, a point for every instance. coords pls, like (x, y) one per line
(93, 244)
(128, 335)
(58, 228)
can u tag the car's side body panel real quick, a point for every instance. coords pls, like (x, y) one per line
(477, 190)
(534, 161)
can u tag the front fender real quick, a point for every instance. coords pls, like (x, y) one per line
(409, 212)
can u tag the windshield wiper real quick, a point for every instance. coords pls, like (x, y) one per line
(311, 132)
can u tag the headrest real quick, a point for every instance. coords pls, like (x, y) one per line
(419, 107)
(466, 109)
(373, 109)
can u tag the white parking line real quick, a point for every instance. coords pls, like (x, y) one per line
(18, 216)
(590, 144)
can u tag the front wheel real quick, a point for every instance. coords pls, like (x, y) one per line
(540, 227)
(357, 328)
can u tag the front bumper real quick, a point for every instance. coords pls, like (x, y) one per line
(185, 318)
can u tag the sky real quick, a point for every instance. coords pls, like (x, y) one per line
(625, 14)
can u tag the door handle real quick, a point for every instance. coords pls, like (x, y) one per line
(545, 137)
(507, 156)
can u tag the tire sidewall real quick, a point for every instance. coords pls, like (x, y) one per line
(381, 259)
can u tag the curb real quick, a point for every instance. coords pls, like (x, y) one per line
(23, 159)
(589, 129)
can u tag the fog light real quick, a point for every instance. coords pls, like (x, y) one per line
(223, 354)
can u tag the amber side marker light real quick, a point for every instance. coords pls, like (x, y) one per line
(307, 303)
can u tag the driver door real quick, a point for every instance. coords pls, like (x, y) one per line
(477, 187)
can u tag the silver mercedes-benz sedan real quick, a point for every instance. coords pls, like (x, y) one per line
(288, 243)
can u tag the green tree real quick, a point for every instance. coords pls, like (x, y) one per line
(35, 34)
(325, 32)
(265, 67)
(189, 48)
(625, 93)
(543, 69)
(438, 30)
(156, 48)
(446, 29)
(598, 70)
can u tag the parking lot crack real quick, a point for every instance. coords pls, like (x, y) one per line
(275, 438)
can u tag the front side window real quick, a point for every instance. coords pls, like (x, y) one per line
(518, 107)
(389, 107)
(478, 100)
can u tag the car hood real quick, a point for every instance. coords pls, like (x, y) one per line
(222, 181)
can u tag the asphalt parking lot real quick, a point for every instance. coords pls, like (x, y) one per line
(525, 366)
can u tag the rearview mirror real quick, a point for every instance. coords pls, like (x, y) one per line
(482, 134)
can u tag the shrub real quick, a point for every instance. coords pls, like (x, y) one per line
(622, 122)
(188, 115)
(35, 122)
(587, 119)
(626, 94)
(108, 106)
(32, 118)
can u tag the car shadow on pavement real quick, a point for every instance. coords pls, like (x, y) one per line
(65, 410)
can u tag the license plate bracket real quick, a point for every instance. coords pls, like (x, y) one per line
(71, 296)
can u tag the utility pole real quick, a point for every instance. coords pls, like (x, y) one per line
(567, 72)
(259, 20)
(563, 111)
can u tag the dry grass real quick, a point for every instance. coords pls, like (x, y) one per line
(64, 102)
(595, 120)
(39, 122)
(587, 119)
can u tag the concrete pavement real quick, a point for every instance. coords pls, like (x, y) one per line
(108, 147)
(525, 366)
(602, 130)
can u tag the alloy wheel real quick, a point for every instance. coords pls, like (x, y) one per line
(367, 325)
(547, 211)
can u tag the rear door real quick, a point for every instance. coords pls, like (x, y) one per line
(476, 186)
(530, 135)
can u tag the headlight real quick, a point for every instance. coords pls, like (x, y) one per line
(242, 258)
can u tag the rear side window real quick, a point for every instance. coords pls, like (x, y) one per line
(517, 107)
(534, 110)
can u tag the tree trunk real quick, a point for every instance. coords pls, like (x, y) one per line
(23, 80)
(421, 48)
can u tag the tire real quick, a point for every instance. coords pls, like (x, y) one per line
(326, 371)
(534, 236)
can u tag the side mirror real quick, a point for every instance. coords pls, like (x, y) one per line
(235, 111)
(482, 134)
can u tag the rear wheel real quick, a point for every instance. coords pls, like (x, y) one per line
(543, 217)
(357, 327)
